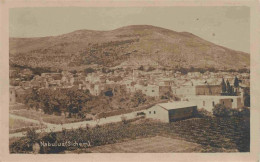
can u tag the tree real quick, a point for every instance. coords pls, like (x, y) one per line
(223, 85)
(229, 89)
(74, 71)
(247, 97)
(32, 99)
(167, 95)
(221, 110)
(152, 68)
(236, 82)
(89, 70)
(105, 70)
(183, 70)
(32, 135)
(141, 68)
(62, 100)
(138, 98)
(228, 86)
(109, 92)
(76, 100)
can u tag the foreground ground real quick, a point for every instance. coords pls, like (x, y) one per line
(207, 134)
(18, 125)
(157, 144)
(36, 115)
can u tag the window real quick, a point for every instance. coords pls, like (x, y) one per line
(152, 90)
(149, 112)
(203, 103)
(213, 103)
(223, 102)
(154, 112)
(231, 100)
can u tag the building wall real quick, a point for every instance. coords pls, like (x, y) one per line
(184, 91)
(208, 90)
(239, 103)
(157, 112)
(97, 90)
(204, 103)
(182, 113)
(151, 90)
(164, 89)
(209, 103)
(226, 102)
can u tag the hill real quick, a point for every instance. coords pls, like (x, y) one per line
(127, 46)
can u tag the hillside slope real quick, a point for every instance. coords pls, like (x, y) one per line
(126, 46)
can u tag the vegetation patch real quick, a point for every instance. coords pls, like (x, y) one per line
(19, 125)
(214, 134)
(53, 119)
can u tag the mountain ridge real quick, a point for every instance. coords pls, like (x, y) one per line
(127, 46)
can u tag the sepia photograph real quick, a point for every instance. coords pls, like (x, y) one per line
(161, 79)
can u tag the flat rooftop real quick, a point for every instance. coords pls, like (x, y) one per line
(212, 97)
(176, 105)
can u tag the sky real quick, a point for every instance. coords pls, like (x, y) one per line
(225, 26)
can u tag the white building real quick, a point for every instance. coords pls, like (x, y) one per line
(208, 102)
(151, 90)
(184, 91)
(171, 111)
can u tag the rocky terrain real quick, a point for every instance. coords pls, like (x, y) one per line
(127, 46)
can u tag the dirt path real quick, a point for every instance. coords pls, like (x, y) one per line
(59, 127)
(24, 118)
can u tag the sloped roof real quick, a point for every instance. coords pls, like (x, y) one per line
(176, 105)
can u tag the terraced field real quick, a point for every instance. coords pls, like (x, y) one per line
(226, 133)
(157, 144)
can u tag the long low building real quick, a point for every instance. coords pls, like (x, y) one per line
(208, 102)
(172, 111)
(190, 90)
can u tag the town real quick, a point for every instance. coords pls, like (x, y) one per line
(204, 90)
(129, 80)
(54, 101)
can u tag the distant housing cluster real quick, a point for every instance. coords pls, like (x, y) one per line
(184, 92)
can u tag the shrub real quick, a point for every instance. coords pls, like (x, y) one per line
(138, 98)
(221, 111)
(24, 145)
(140, 113)
(89, 70)
(245, 112)
(52, 138)
(109, 93)
(150, 69)
(124, 120)
(141, 68)
(32, 135)
(203, 113)
(21, 146)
